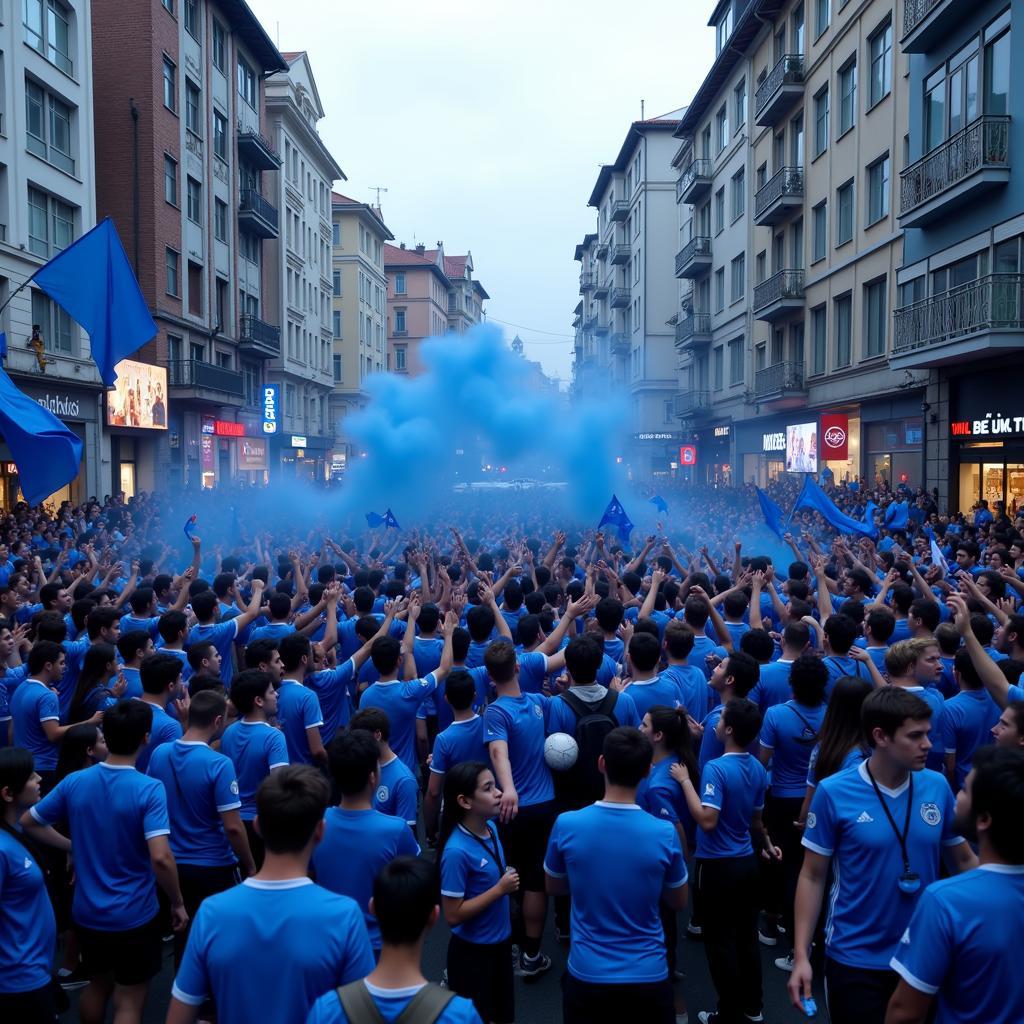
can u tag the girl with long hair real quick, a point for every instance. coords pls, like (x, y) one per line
(94, 691)
(83, 746)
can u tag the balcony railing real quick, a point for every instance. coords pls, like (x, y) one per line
(257, 213)
(619, 342)
(698, 247)
(194, 373)
(620, 254)
(601, 289)
(983, 144)
(915, 12)
(694, 182)
(688, 404)
(619, 298)
(927, 22)
(619, 209)
(695, 325)
(601, 250)
(259, 337)
(257, 149)
(789, 71)
(993, 303)
(777, 379)
(787, 183)
(786, 284)
(586, 282)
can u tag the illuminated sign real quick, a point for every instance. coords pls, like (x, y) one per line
(225, 428)
(298, 441)
(688, 455)
(138, 398)
(271, 402)
(722, 431)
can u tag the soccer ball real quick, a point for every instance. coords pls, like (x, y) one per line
(560, 751)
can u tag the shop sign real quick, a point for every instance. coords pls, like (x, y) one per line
(206, 453)
(991, 425)
(774, 442)
(271, 401)
(722, 431)
(225, 428)
(208, 426)
(688, 455)
(252, 453)
(835, 440)
(298, 441)
(654, 436)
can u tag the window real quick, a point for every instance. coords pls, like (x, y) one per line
(54, 323)
(246, 83)
(740, 103)
(168, 5)
(875, 318)
(193, 108)
(719, 289)
(822, 15)
(220, 47)
(170, 180)
(220, 135)
(878, 190)
(736, 361)
(195, 289)
(761, 267)
(195, 200)
(336, 282)
(400, 283)
(51, 224)
(192, 18)
(844, 213)
(335, 234)
(718, 368)
(399, 321)
(819, 339)
(997, 75)
(762, 177)
(880, 48)
(336, 322)
(821, 122)
(844, 325)
(820, 225)
(337, 368)
(400, 357)
(170, 85)
(48, 127)
(913, 291)
(719, 210)
(739, 193)
(171, 262)
(723, 30)
(847, 97)
(738, 268)
(47, 29)
(721, 129)
(220, 220)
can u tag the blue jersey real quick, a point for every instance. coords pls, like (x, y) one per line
(562, 718)
(867, 911)
(437, 706)
(390, 1003)
(255, 749)
(298, 709)
(222, 636)
(399, 701)
(734, 784)
(616, 930)
(710, 745)
(331, 686)
(275, 631)
(533, 669)
(967, 721)
(615, 649)
(470, 865)
(702, 647)
(840, 665)
(200, 785)
(521, 723)
(789, 730)
(397, 793)
(934, 699)
(426, 652)
(319, 938)
(772, 686)
(650, 693)
(475, 654)
(26, 920)
(659, 794)
(461, 741)
(113, 812)
(32, 704)
(163, 730)
(693, 688)
(355, 846)
(74, 658)
(129, 624)
(186, 668)
(957, 946)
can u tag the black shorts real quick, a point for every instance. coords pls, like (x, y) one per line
(525, 841)
(256, 846)
(857, 995)
(132, 957)
(198, 881)
(37, 1006)
(585, 1002)
(483, 973)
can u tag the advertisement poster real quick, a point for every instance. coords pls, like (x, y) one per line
(139, 396)
(802, 448)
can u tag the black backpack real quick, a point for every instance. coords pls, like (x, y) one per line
(583, 783)
(425, 1007)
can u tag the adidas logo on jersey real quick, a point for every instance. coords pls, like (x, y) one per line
(864, 817)
(483, 862)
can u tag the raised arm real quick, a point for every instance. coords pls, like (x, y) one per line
(994, 680)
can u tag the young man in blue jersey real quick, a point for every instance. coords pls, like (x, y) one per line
(916, 665)
(881, 827)
(617, 968)
(317, 938)
(133, 647)
(298, 708)
(161, 685)
(954, 957)
(732, 679)
(358, 840)
(222, 634)
(689, 678)
(119, 834)
(773, 679)
(967, 720)
(397, 793)
(647, 688)
(727, 811)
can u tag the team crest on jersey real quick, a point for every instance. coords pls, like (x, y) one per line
(538, 710)
(483, 862)
(812, 819)
(382, 794)
(709, 789)
(930, 814)
(28, 863)
(234, 788)
(905, 940)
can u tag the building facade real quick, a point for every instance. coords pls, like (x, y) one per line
(299, 279)
(182, 165)
(47, 201)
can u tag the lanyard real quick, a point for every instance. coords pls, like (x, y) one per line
(492, 850)
(901, 836)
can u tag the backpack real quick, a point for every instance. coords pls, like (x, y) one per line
(424, 1008)
(583, 783)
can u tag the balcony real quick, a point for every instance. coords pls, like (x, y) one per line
(400, 332)
(255, 215)
(694, 183)
(694, 259)
(257, 150)
(974, 161)
(601, 289)
(691, 405)
(782, 195)
(620, 255)
(780, 296)
(619, 343)
(780, 385)
(925, 22)
(780, 91)
(694, 330)
(982, 317)
(590, 319)
(258, 338)
(603, 326)
(205, 381)
(619, 298)
(619, 210)
(586, 283)
(601, 250)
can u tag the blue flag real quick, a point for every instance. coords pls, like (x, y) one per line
(390, 522)
(772, 513)
(374, 519)
(46, 452)
(190, 525)
(897, 515)
(93, 281)
(660, 504)
(615, 515)
(3, 344)
(869, 514)
(813, 497)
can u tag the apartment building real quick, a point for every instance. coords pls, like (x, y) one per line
(358, 313)
(299, 275)
(590, 376)
(467, 295)
(182, 155)
(959, 321)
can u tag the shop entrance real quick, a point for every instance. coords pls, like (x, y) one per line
(993, 481)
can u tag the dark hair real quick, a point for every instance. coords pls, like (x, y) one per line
(500, 661)
(100, 619)
(927, 610)
(159, 671)
(430, 616)
(74, 748)
(141, 599)
(841, 631)
(129, 644)
(460, 780)
(372, 720)
(247, 686)
(404, 897)
(627, 756)
(888, 708)
(583, 658)
(480, 623)
(644, 652)
(983, 629)
(998, 791)
(260, 652)
(294, 647)
(197, 654)
(95, 666)
(222, 583)
(679, 639)
(353, 757)
(16, 768)
(744, 718)
(204, 604)
(279, 605)
(743, 671)
(290, 803)
(672, 724)
(964, 665)
(758, 644)
(735, 603)
(384, 653)
(50, 626)
(841, 729)
(125, 726)
(206, 707)
(43, 653)
(796, 635)
(528, 629)
(609, 612)
(808, 678)
(460, 690)
(882, 623)
(171, 625)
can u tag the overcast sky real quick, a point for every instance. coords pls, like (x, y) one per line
(487, 124)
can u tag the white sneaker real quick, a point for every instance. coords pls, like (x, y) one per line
(766, 939)
(785, 963)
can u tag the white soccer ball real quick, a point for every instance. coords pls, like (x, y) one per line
(560, 751)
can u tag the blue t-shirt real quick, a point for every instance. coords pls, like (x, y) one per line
(397, 793)
(649, 693)
(319, 942)
(355, 846)
(222, 636)
(112, 812)
(437, 706)
(399, 701)
(461, 741)
(390, 1003)
(298, 709)
(332, 689)
(734, 784)
(789, 730)
(967, 721)
(772, 686)
(27, 924)
(851, 760)
(133, 677)
(163, 730)
(74, 658)
(932, 696)
(867, 911)
(521, 723)
(693, 688)
(840, 665)
(959, 946)
(32, 704)
(617, 937)
(200, 785)
(562, 718)
(255, 749)
(659, 794)
(470, 865)
(702, 647)
(186, 668)
(615, 649)
(533, 668)
(427, 654)
(129, 624)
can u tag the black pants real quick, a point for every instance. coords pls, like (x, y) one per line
(780, 878)
(857, 995)
(670, 926)
(483, 973)
(255, 843)
(729, 897)
(38, 1006)
(585, 1002)
(199, 881)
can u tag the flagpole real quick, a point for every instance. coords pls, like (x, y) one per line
(21, 287)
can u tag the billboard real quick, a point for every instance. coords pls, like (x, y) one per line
(835, 441)
(252, 453)
(139, 396)
(802, 448)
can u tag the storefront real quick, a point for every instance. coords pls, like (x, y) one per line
(654, 453)
(714, 466)
(137, 417)
(302, 456)
(761, 448)
(892, 432)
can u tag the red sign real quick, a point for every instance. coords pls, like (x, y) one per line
(225, 428)
(835, 441)
(688, 455)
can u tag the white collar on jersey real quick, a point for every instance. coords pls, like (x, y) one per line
(1003, 869)
(862, 769)
(277, 883)
(617, 807)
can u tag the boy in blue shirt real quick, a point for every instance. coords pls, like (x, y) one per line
(222, 634)
(689, 679)
(133, 647)
(397, 793)
(298, 708)
(318, 938)
(967, 721)
(161, 685)
(617, 967)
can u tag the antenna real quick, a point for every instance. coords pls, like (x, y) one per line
(378, 189)
(641, 110)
